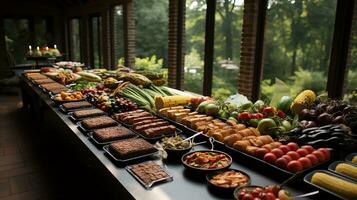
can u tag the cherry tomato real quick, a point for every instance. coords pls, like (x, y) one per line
(270, 157)
(293, 146)
(269, 111)
(244, 115)
(309, 148)
(284, 148)
(305, 162)
(281, 114)
(302, 152)
(293, 155)
(281, 162)
(247, 197)
(277, 152)
(294, 166)
(313, 159)
(319, 155)
(270, 196)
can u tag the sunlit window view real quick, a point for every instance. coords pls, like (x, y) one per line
(178, 99)
(298, 41)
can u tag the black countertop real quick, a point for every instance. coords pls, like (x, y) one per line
(185, 184)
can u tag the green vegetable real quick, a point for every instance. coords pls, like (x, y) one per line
(285, 103)
(265, 125)
(258, 105)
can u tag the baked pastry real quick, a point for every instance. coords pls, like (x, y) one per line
(112, 133)
(43, 81)
(75, 105)
(149, 172)
(129, 148)
(88, 113)
(98, 122)
(158, 131)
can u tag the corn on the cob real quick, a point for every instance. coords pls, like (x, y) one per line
(347, 169)
(303, 100)
(170, 101)
(336, 185)
(354, 159)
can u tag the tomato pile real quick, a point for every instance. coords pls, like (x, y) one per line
(263, 193)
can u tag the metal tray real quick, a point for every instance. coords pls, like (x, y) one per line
(350, 156)
(86, 131)
(147, 186)
(178, 131)
(62, 102)
(308, 178)
(333, 166)
(66, 111)
(75, 120)
(90, 135)
(106, 149)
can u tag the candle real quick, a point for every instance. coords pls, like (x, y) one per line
(30, 47)
(55, 46)
(46, 48)
(38, 48)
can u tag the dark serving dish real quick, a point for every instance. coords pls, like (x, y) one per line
(333, 166)
(154, 139)
(174, 154)
(248, 187)
(350, 156)
(62, 102)
(75, 120)
(90, 135)
(205, 170)
(107, 150)
(308, 178)
(66, 111)
(220, 189)
(86, 131)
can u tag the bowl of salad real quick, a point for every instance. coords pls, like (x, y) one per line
(206, 160)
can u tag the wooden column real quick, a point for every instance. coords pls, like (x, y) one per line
(251, 56)
(209, 48)
(106, 29)
(129, 34)
(3, 58)
(339, 51)
(176, 30)
(85, 44)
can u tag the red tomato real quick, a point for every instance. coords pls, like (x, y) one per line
(269, 188)
(284, 148)
(247, 197)
(302, 152)
(293, 146)
(326, 152)
(319, 155)
(281, 114)
(293, 155)
(281, 162)
(270, 196)
(309, 148)
(305, 162)
(294, 166)
(259, 115)
(277, 152)
(287, 157)
(270, 157)
(269, 111)
(257, 198)
(256, 192)
(241, 194)
(260, 153)
(244, 115)
(313, 159)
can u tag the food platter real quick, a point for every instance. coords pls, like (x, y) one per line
(221, 160)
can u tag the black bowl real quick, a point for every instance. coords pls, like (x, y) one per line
(205, 170)
(176, 154)
(248, 187)
(225, 190)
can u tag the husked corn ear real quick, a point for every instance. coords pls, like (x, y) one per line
(170, 101)
(347, 169)
(336, 185)
(303, 100)
(354, 160)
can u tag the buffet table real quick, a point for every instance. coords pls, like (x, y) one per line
(185, 185)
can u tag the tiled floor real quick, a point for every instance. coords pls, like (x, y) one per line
(20, 174)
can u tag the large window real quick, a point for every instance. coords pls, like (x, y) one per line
(195, 44)
(118, 33)
(96, 41)
(74, 39)
(298, 40)
(43, 36)
(151, 24)
(351, 78)
(228, 28)
(17, 39)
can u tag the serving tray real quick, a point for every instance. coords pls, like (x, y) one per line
(149, 185)
(333, 166)
(308, 178)
(153, 139)
(90, 135)
(107, 150)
